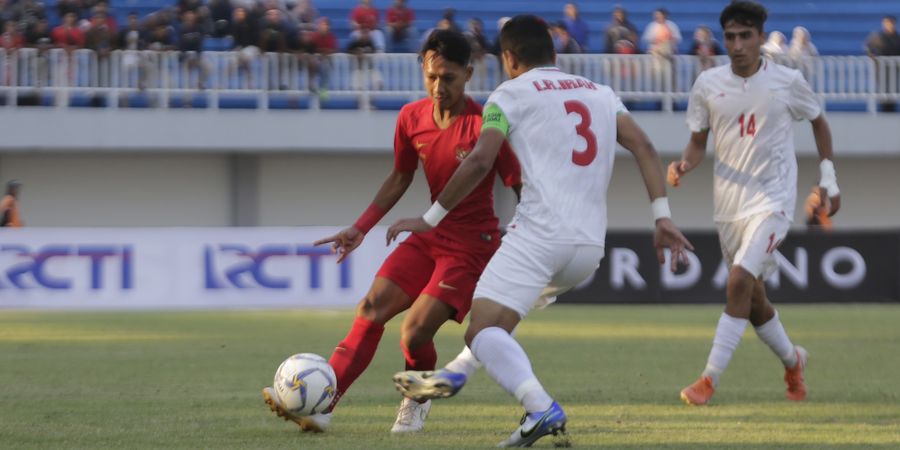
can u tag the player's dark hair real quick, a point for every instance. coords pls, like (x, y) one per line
(743, 12)
(528, 38)
(451, 45)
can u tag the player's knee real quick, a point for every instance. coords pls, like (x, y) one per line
(374, 308)
(412, 336)
(740, 283)
(471, 332)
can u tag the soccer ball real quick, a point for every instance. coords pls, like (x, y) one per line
(305, 384)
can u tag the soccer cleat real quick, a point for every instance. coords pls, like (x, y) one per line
(428, 385)
(796, 388)
(698, 393)
(315, 423)
(411, 416)
(536, 425)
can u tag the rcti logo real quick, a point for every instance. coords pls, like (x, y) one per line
(243, 267)
(50, 266)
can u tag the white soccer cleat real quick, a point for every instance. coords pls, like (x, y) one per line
(411, 416)
(419, 385)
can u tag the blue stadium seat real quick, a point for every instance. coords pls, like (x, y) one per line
(340, 103)
(238, 102)
(282, 101)
(198, 101)
(87, 100)
(389, 103)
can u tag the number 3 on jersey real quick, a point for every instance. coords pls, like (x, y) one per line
(583, 129)
(749, 128)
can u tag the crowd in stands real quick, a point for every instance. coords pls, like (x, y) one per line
(253, 27)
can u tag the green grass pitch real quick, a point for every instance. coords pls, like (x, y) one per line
(192, 380)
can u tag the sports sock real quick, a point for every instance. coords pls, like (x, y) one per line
(773, 334)
(506, 362)
(423, 357)
(465, 363)
(353, 354)
(728, 336)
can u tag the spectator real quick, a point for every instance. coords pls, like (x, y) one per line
(305, 14)
(399, 19)
(220, 13)
(190, 43)
(39, 35)
(621, 34)
(705, 47)
(364, 16)
(68, 35)
(111, 23)
(480, 47)
(11, 39)
(326, 44)
(801, 44)
(273, 32)
(9, 206)
(776, 46)
(365, 76)
(662, 36)
(245, 35)
(98, 36)
(7, 13)
(562, 41)
(29, 12)
(576, 26)
(886, 43)
(450, 16)
(64, 7)
(162, 35)
(801, 52)
(131, 39)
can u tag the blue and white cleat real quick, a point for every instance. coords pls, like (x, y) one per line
(539, 424)
(427, 385)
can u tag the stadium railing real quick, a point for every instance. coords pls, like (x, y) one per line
(56, 77)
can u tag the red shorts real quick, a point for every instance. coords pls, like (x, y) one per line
(439, 267)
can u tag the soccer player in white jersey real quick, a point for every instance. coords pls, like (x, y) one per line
(749, 106)
(563, 129)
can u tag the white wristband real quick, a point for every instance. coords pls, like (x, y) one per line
(435, 214)
(828, 178)
(660, 208)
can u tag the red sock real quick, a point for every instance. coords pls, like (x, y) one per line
(353, 354)
(423, 357)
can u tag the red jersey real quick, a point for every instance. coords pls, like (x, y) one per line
(417, 138)
(366, 17)
(405, 15)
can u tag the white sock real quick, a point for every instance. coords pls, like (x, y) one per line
(728, 336)
(464, 363)
(773, 334)
(506, 362)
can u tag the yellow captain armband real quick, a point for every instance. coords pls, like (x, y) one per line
(493, 117)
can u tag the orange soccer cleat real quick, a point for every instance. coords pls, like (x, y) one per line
(698, 393)
(793, 376)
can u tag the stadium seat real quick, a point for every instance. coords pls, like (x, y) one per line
(389, 103)
(238, 102)
(188, 101)
(340, 103)
(282, 101)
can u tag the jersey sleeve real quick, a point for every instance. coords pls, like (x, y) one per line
(697, 116)
(499, 111)
(802, 101)
(620, 107)
(406, 159)
(507, 166)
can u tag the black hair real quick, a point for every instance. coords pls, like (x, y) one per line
(451, 45)
(528, 38)
(890, 17)
(663, 11)
(744, 12)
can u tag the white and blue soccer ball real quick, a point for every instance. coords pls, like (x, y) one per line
(305, 384)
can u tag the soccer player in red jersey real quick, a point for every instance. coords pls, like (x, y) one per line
(431, 274)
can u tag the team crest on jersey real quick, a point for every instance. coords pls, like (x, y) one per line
(461, 153)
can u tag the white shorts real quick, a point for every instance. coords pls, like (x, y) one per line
(527, 273)
(751, 242)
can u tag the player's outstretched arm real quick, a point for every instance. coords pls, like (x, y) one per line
(828, 178)
(691, 158)
(467, 176)
(667, 235)
(351, 237)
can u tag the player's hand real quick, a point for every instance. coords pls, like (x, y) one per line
(413, 225)
(676, 170)
(668, 236)
(344, 242)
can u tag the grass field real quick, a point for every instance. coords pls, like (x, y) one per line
(193, 380)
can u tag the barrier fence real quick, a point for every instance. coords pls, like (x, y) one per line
(158, 268)
(60, 74)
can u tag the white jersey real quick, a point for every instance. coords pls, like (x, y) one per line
(751, 118)
(562, 128)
